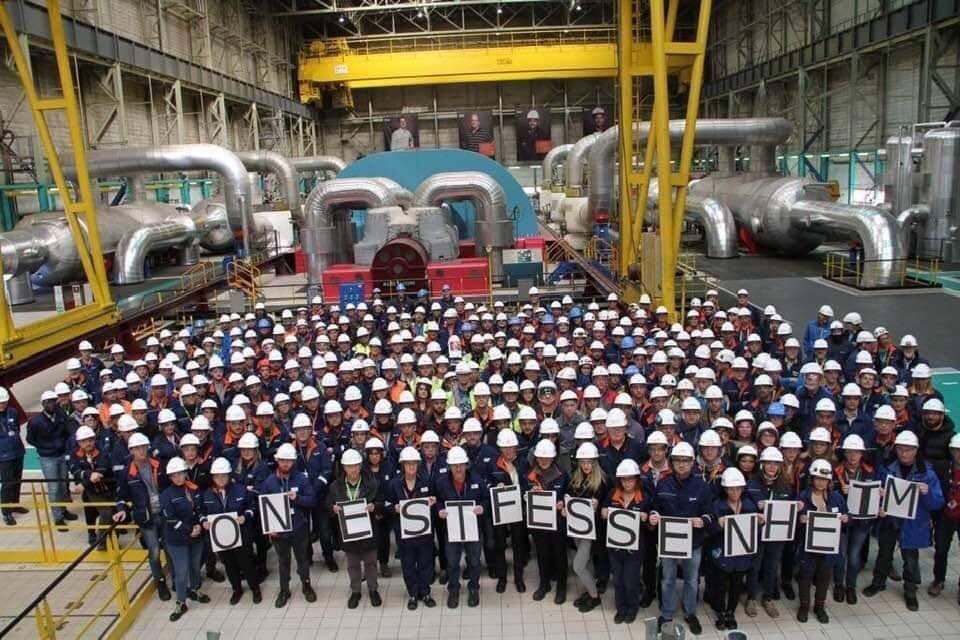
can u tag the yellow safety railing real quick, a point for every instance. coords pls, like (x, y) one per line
(243, 275)
(601, 251)
(906, 272)
(75, 604)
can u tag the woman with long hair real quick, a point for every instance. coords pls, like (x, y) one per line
(587, 481)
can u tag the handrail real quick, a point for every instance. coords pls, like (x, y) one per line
(56, 581)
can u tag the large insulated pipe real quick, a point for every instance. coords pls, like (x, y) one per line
(718, 225)
(319, 163)
(317, 228)
(185, 157)
(908, 220)
(277, 164)
(494, 230)
(761, 132)
(877, 230)
(713, 216)
(576, 163)
(555, 156)
(133, 248)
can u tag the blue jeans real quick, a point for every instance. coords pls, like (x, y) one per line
(186, 559)
(472, 551)
(56, 467)
(691, 582)
(851, 543)
(152, 536)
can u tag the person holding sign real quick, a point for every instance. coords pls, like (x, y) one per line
(857, 531)
(227, 496)
(652, 472)
(458, 486)
(296, 541)
(911, 534)
(355, 484)
(250, 470)
(551, 546)
(816, 569)
(508, 471)
(412, 528)
(625, 560)
(589, 482)
(949, 524)
(182, 533)
(769, 484)
(730, 579)
(685, 495)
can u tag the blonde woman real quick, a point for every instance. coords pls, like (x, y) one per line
(587, 481)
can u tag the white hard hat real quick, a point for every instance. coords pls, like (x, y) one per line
(771, 454)
(409, 454)
(955, 441)
(332, 406)
(826, 310)
(176, 465)
(933, 404)
(287, 452)
(472, 425)
(790, 440)
(921, 371)
(907, 438)
(820, 434)
(248, 441)
(885, 412)
(373, 443)
(628, 468)
(84, 433)
(657, 437)
(126, 424)
(666, 417)
(235, 413)
(682, 450)
(587, 451)
(309, 393)
(544, 449)
(505, 438)
(853, 442)
(690, 404)
(747, 450)
(526, 413)
(453, 413)
(616, 418)
(851, 390)
(826, 405)
(221, 465)
(820, 468)
(732, 477)
(710, 438)
(138, 440)
(457, 455)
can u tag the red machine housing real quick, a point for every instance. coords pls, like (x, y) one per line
(402, 259)
(470, 276)
(338, 274)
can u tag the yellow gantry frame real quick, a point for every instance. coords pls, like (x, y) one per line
(337, 63)
(635, 181)
(16, 343)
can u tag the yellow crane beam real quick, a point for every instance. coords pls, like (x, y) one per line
(322, 64)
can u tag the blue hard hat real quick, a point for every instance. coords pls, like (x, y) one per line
(466, 326)
(423, 293)
(649, 342)
(514, 320)
(263, 323)
(628, 342)
(575, 313)
(547, 319)
(776, 409)
(631, 370)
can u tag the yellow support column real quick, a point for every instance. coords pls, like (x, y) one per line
(18, 343)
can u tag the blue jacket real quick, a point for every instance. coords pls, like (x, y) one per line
(813, 332)
(304, 503)
(252, 476)
(807, 415)
(483, 459)
(722, 508)
(11, 446)
(836, 503)
(236, 499)
(396, 491)
(610, 457)
(688, 498)
(474, 488)
(181, 511)
(48, 434)
(81, 466)
(916, 534)
(132, 495)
